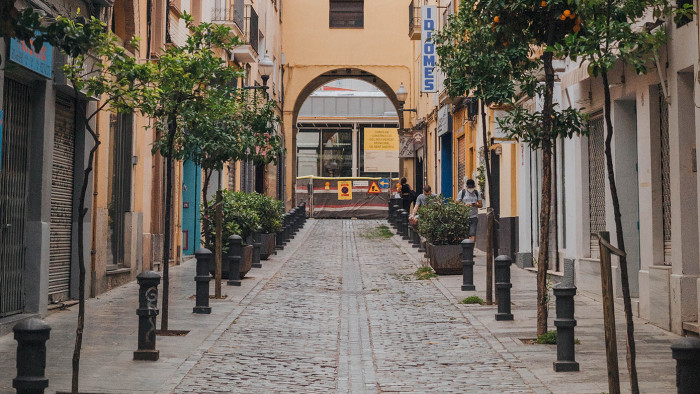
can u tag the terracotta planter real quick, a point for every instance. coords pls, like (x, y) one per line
(246, 263)
(268, 246)
(445, 259)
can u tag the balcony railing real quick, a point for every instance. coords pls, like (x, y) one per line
(240, 14)
(414, 17)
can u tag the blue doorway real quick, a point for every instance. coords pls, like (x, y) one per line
(446, 167)
(191, 200)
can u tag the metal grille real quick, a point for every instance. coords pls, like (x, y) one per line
(665, 174)
(596, 180)
(62, 200)
(13, 193)
(461, 161)
(120, 199)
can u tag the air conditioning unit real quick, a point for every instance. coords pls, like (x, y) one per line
(472, 105)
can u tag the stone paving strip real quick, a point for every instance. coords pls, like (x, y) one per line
(345, 315)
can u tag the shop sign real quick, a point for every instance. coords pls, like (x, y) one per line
(428, 55)
(444, 120)
(406, 146)
(23, 54)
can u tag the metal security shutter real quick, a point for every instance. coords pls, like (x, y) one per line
(665, 175)
(13, 193)
(596, 180)
(461, 161)
(62, 200)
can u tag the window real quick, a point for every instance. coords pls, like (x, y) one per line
(346, 13)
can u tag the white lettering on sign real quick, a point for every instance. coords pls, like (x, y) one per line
(428, 56)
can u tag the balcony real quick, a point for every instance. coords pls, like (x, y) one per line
(244, 18)
(414, 20)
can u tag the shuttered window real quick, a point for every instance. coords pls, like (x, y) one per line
(596, 180)
(347, 14)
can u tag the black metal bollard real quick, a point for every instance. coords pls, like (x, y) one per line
(404, 223)
(399, 222)
(279, 237)
(285, 229)
(235, 250)
(31, 336)
(468, 265)
(565, 323)
(294, 222)
(503, 286)
(204, 258)
(416, 237)
(393, 206)
(148, 310)
(409, 233)
(686, 352)
(257, 245)
(395, 216)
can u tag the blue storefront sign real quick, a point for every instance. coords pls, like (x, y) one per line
(23, 54)
(1, 121)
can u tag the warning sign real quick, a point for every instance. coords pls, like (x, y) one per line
(344, 190)
(374, 188)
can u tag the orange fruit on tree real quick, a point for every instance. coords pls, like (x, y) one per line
(562, 17)
(572, 16)
(577, 28)
(567, 13)
(543, 3)
(578, 21)
(496, 19)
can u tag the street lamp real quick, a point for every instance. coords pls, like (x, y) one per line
(402, 95)
(265, 68)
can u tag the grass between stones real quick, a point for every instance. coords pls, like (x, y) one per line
(379, 232)
(472, 300)
(425, 273)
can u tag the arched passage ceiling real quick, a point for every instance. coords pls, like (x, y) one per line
(343, 73)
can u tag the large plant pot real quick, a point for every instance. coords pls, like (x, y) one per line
(246, 263)
(268, 246)
(445, 259)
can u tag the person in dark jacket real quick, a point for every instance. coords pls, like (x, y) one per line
(406, 195)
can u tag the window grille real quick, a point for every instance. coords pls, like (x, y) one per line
(665, 175)
(596, 180)
(346, 13)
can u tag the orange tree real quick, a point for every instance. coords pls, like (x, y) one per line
(606, 33)
(501, 52)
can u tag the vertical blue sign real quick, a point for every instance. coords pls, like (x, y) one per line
(1, 121)
(428, 56)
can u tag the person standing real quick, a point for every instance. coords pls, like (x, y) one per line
(405, 195)
(472, 198)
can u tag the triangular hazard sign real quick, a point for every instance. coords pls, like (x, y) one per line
(374, 188)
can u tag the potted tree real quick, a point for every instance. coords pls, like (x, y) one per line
(240, 218)
(444, 226)
(269, 210)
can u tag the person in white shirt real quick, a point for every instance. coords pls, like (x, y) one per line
(472, 198)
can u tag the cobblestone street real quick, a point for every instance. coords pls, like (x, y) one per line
(346, 314)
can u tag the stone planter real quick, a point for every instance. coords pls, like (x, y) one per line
(445, 259)
(246, 260)
(268, 246)
(246, 263)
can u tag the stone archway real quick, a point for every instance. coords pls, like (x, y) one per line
(386, 79)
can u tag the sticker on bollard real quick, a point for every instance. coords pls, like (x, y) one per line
(148, 310)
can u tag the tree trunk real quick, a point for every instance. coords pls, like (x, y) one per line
(82, 212)
(631, 351)
(545, 207)
(208, 240)
(489, 211)
(167, 225)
